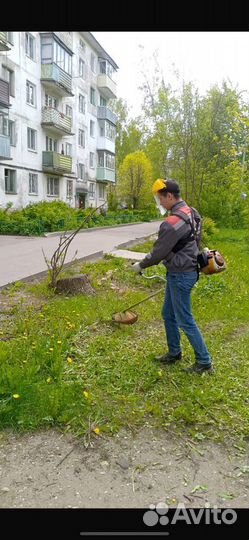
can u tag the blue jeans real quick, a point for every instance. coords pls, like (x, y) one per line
(177, 314)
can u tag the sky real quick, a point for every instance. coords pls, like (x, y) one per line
(202, 57)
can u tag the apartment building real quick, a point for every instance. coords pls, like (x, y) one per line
(57, 130)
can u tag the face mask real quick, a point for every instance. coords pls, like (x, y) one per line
(161, 209)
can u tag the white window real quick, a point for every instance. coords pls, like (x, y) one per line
(69, 111)
(51, 101)
(31, 136)
(33, 184)
(10, 180)
(81, 138)
(10, 37)
(81, 68)
(82, 104)
(91, 189)
(69, 149)
(93, 58)
(29, 46)
(12, 133)
(51, 144)
(103, 102)
(69, 189)
(82, 45)
(91, 160)
(101, 191)
(110, 161)
(92, 126)
(52, 186)
(4, 126)
(81, 171)
(110, 131)
(30, 93)
(9, 76)
(92, 96)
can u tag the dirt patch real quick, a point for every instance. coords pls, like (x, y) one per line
(52, 470)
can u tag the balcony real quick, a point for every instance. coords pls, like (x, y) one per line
(4, 147)
(4, 93)
(105, 175)
(56, 163)
(103, 143)
(107, 86)
(56, 120)
(4, 45)
(81, 186)
(106, 114)
(54, 78)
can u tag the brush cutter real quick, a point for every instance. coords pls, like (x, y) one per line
(130, 317)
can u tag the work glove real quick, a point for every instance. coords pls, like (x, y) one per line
(136, 268)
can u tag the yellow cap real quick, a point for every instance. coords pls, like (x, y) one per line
(158, 184)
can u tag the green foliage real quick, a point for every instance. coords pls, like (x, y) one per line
(135, 180)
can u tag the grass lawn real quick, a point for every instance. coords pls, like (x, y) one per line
(64, 364)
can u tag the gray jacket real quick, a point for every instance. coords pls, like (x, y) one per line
(171, 230)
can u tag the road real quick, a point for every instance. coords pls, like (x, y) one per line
(22, 257)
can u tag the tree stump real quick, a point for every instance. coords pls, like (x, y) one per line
(75, 285)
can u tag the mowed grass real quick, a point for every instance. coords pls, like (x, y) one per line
(64, 363)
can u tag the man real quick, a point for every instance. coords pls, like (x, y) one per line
(177, 246)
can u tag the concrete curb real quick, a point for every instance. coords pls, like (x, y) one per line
(58, 233)
(88, 258)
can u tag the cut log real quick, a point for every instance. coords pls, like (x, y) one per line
(75, 285)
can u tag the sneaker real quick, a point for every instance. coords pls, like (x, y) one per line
(199, 368)
(169, 358)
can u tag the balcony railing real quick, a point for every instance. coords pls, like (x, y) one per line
(106, 114)
(107, 86)
(56, 163)
(56, 119)
(54, 75)
(4, 45)
(4, 93)
(4, 147)
(105, 175)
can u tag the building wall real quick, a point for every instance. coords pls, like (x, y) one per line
(26, 161)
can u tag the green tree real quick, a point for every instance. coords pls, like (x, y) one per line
(135, 180)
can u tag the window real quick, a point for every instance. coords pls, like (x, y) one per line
(81, 68)
(106, 68)
(92, 96)
(29, 46)
(103, 102)
(9, 76)
(92, 128)
(12, 133)
(4, 128)
(10, 180)
(69, 189)
(69, 111)
(30, 93)
(82, 104)
(33, 184)
(101, 160)
(110, 131)
(52, 186)
(81, 171)
(31, 135)
(91, 160)
(93, 62)
(82, 45)
(110, 161)
(10, 37)
(91, 189)
(81, 138)
(52, 51)
(51, 145)
(101, 191)
(51, 101)
(69, 148)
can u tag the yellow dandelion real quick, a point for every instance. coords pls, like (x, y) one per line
(160, 373)
(59, 342)
(49, 380)
(41, 315)
(16, 396)
(51, 349)
(86, 394)
(96, 430)
(70, 360)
